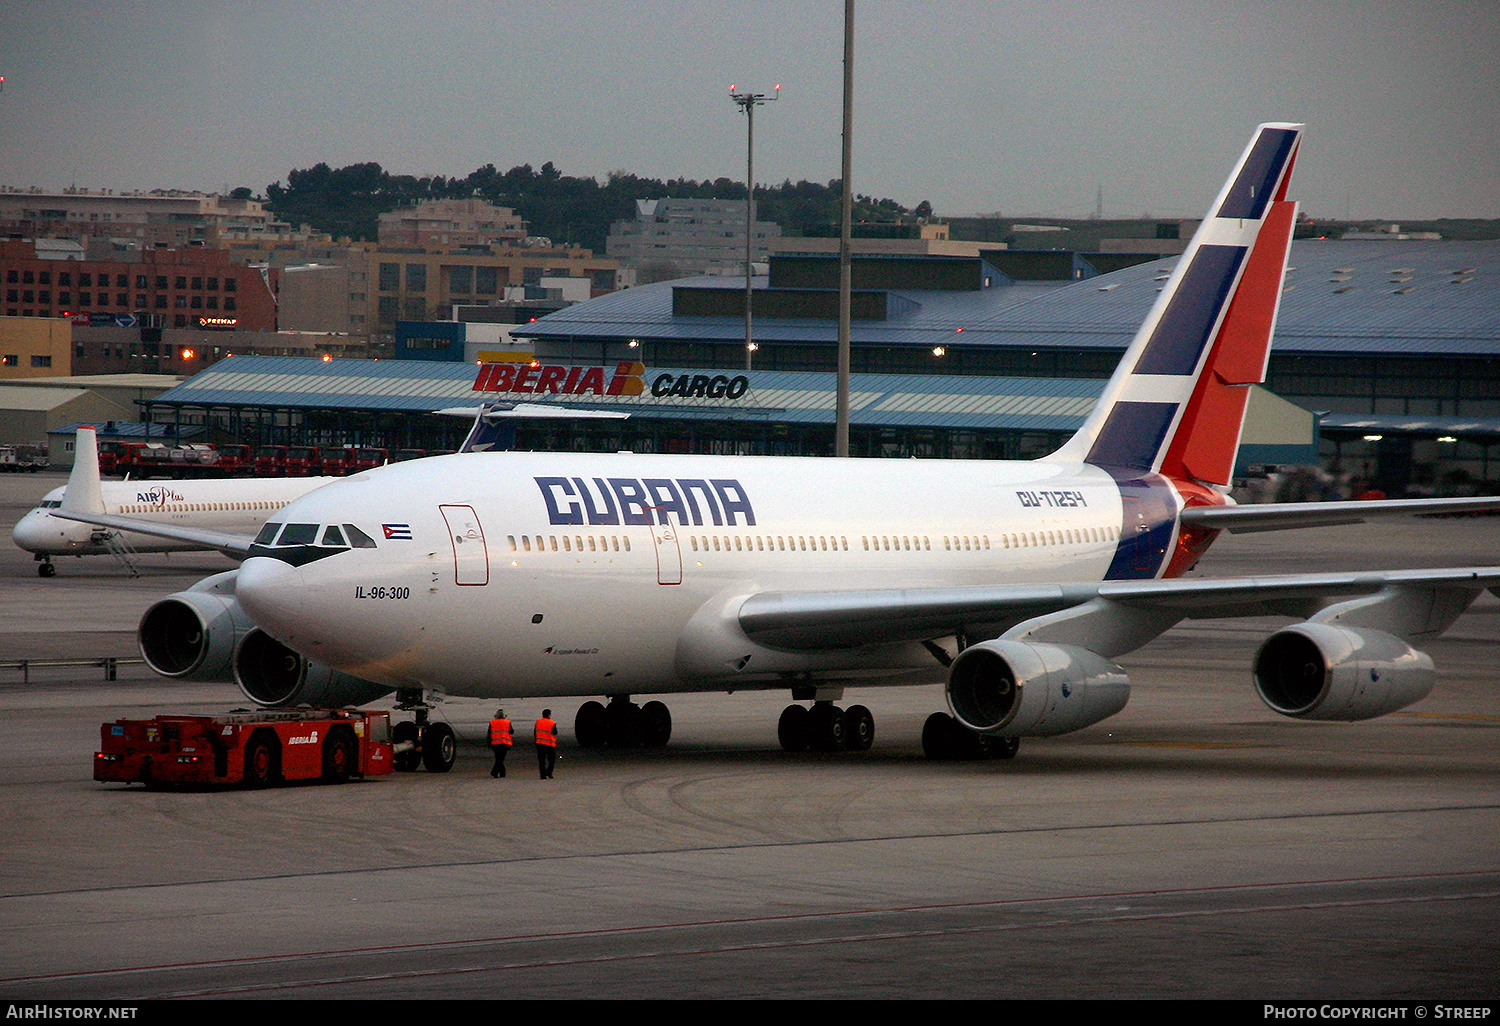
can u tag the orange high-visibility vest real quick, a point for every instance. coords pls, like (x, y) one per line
(546, 733)
(500, 732)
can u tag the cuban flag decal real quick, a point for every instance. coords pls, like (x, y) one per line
(397, 532)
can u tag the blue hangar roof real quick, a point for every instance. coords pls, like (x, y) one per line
(1355, 297)
(420, 386)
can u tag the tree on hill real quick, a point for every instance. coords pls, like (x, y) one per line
(347, 201)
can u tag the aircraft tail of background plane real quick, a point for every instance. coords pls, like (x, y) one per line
(1176, 403)
(85, 492)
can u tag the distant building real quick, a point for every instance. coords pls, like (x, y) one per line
(185, 351)
(365, 290)
(454, 222)
(163, 217)
(911, 239)
(31, 347)
(678, 238)
(165, 288)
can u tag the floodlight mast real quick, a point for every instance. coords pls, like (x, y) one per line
(846, 217)
(747, 103)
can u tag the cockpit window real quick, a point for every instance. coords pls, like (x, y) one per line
(299, 534)
(51, 504)
(267, 532)
(333, 536)
(358, 538)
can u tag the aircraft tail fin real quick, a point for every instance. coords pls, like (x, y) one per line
(85, 493)
(1176, 402)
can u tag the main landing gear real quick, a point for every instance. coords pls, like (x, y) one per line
(418, 741)
(944, 739)
(623, 724)
(826, 728)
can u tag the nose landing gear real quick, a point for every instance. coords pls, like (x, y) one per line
(418, 741)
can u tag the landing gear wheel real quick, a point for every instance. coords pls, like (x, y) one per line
(945, 739)
(622, 719)
(1000, 747)
(792, 729)
(406, 731)
(859, 728)
(46, 570)
(260, 762)
(937, 737)
(826, 727)
(591, 725)
(656, 725)
(439, 748)
(338, 758)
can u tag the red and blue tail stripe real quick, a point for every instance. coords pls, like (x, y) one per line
(1175, 407)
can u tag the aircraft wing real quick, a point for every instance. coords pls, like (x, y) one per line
(235, 546)
(1280, 516)
(847, 619)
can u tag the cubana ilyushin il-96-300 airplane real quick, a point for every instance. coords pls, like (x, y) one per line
(607, 576)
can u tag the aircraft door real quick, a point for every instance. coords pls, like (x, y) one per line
(664, 539)
(471, 557)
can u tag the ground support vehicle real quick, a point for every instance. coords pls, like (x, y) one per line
(270, 461)
(152, 459)
(301, 461)
(234, 460)
(254, 748)
(335, 460)
(23, 458)
(368, 458)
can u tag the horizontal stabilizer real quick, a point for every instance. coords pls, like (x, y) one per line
(1282, 516)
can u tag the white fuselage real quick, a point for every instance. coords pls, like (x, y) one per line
(498, 574)
(232, 506)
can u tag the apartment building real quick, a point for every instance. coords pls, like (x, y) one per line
(168, 288)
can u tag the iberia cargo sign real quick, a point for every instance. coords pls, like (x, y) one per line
(627, 379)
(545, 378)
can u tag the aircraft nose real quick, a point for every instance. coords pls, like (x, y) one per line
(31, 531)
(272, 592)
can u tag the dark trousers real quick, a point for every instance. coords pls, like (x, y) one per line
(546, 759)
(501, 751)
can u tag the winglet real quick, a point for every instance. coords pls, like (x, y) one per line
(84, 494)
(1176, 402)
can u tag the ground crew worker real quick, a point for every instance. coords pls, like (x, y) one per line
(500, 742)
(546, 744)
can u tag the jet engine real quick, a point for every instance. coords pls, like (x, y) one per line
(203, 634)
(1031, 689)
(269, 673)
(1323, 671)
(192, 635)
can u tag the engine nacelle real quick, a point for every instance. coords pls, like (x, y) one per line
(192, 635)
(1031, 689)
(1323, 671)
(269, 673)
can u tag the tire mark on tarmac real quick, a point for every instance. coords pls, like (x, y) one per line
(1051, 829)
(767, 933)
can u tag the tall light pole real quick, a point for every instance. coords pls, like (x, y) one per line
(747, 103)
(846, 217)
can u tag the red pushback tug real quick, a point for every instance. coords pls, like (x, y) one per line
(257, 748)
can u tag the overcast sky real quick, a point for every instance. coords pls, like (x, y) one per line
(1023, 108)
